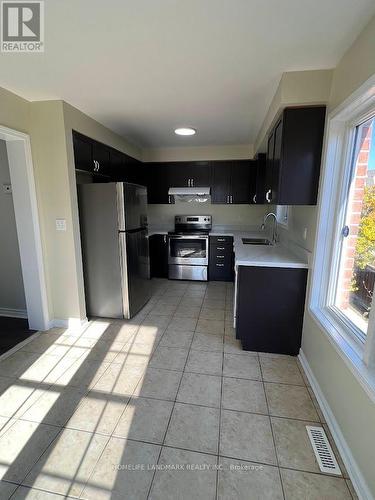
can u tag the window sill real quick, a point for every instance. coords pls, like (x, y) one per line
(347, 349)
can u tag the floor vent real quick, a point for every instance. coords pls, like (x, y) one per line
(323, 451)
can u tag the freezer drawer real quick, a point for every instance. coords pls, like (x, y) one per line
(180, 272)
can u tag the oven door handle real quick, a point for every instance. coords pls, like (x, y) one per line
(187, 237)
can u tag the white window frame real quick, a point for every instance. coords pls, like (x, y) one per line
(356, 349)
(282, 215)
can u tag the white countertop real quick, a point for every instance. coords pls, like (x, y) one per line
(254, 255)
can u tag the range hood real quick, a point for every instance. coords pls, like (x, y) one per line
(190, 194)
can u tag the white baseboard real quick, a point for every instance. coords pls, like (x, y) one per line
(13, 313)
(354, 472)
(75, 325)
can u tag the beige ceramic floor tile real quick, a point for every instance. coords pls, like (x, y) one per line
(244, 395)
(214, 314)
(298, 485)
(247, 436)
(23, 493)
(207, 342)
(290, 401)
(16, 396)
(194, 428)
(55, 405)
(7, 489)
(82, 373)
(172, 358)
(113, 480)
(16, 364)
(183, 324)
(293, 446)
(200, 390)
(216, 327)
(239, 366)
(98, 412)
(144, 420)
(238, 478)
(281, 370)
(187, 312)
(159, 383)
(67, 464)
(21, 446)
(176, 338)
(204, 362)
(188, 483)
(120, 380)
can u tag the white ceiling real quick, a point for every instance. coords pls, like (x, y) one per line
(144, 67)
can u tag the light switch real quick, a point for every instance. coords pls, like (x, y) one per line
(60, 225)
(7, 188)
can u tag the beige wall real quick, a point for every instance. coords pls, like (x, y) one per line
(49, 125)
(230, 152)
(296, 88)
(12, 295)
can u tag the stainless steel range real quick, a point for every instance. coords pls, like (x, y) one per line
(188, 247)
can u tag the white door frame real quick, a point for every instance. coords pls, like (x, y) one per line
(28, 228)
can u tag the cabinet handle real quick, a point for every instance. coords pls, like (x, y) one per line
(169, 199)
(165, 238)
(220, 256)
(96, 166)
(192, 182)
(221, 239)
(231, 198)
(255, 198)
(268, 195)
(227, 198)
(189, 183)
(220, 248)
(220, 265)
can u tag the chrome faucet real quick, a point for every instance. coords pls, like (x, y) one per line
(274, 232)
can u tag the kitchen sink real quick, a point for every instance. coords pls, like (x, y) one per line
(256, 241)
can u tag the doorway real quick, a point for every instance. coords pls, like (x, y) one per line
(23, 301)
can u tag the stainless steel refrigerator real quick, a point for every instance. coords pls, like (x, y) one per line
(114, 237)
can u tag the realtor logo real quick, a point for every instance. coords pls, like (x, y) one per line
(22, 26)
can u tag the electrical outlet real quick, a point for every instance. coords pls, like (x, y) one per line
(7, 188)
(60, 225)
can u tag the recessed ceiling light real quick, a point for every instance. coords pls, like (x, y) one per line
(185, 131)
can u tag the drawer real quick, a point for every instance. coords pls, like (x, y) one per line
(221, 240)
(222, 258)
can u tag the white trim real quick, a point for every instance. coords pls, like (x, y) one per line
(13, 313)
(28, 229)
(338, 146)
(72, 324)
(359, 482)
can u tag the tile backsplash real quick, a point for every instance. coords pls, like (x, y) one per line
(241, 216)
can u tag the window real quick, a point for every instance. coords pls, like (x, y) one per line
(343, 271)
(282, 215)
(355, 276)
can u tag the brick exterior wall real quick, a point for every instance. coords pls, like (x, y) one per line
(354, 213)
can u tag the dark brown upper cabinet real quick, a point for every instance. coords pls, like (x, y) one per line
(233, 182)
(294, 150)
(91, 156)
(260, 186)
(189, 174)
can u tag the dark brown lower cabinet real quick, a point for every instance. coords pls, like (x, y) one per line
(158, 246)
(270, 308)
(221, 258)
